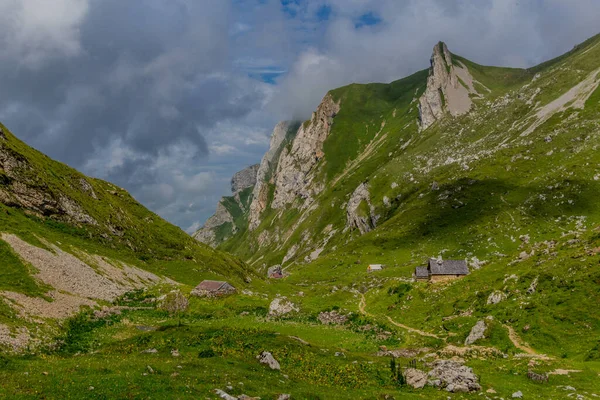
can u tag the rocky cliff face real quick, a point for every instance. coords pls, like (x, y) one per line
(266, 171)
(207, 233)
(449, 87)
(295, 171)
(20, 187)
(231, 210)
(360, 213)
(244, 179)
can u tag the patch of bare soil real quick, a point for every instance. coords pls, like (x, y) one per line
(15, 340)
(75, 282)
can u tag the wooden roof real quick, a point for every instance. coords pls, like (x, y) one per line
(448, 267)
(211, 286)
(421, 272)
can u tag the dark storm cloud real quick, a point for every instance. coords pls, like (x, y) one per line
(112, 87)
(169, 98)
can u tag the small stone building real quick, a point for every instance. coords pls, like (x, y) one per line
(375, 267)
(421, 274)
(442, 270)
(213, 289)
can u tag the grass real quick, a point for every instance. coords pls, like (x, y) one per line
(498, 195)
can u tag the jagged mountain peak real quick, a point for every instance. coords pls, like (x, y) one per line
(449, 88)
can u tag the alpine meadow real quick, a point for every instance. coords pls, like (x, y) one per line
(436, 237)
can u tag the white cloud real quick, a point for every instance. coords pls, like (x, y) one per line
(36, 30)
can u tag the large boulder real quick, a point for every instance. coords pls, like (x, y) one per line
(453, 377)
(477, 332)
(267, 358)
(415, 378)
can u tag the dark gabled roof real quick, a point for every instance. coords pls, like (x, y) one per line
(421, 272)
(211, 285)
(448, 267)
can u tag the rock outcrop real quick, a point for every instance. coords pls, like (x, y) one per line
(207, 233)
(296, 167)
(265, 173)
(360, 213)
(244, 179)
(267, 358)
(448, 88)
(281, 306)
(20, 187)
(332, 318)
(496, 297)
(415, 378)
(453, 377)
(477, 332)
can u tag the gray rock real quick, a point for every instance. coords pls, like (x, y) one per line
(266, 170)
(357, 217)
(415, 378)
(453, 375)
(224, 395)
(281, 306)
(244, 179)
(296, 167)
(444, 91)
(332, 318)
(517, 395)
(284, 397)
(207, 234)
(150, 351)
(267, 358)
(532, 288)
(496, 297)
(477, 332)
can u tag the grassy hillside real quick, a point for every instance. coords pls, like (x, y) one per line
(52, 206)
(511, 187)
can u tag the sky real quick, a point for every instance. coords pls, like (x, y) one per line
(169, 98)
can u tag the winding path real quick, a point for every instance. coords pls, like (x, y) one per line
(512, 335)
(363, 303)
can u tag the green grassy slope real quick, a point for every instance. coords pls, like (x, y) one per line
(125, 229)
(494, 186)
(523, 205)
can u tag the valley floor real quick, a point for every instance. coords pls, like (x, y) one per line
(146, 353)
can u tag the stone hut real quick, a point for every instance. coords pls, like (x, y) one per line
(446, 270)
(213, 289)
(441, 270)
(421, 274)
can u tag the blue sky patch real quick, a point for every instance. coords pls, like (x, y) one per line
(368, 19)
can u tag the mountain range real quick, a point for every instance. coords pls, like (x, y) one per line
(497, 167)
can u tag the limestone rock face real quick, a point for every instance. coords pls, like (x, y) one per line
(360, 212)
(244, 179)
(446, 90)
(296, 167)
(265, 171)
(20, 189)
(206, 234)
(477, 332)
